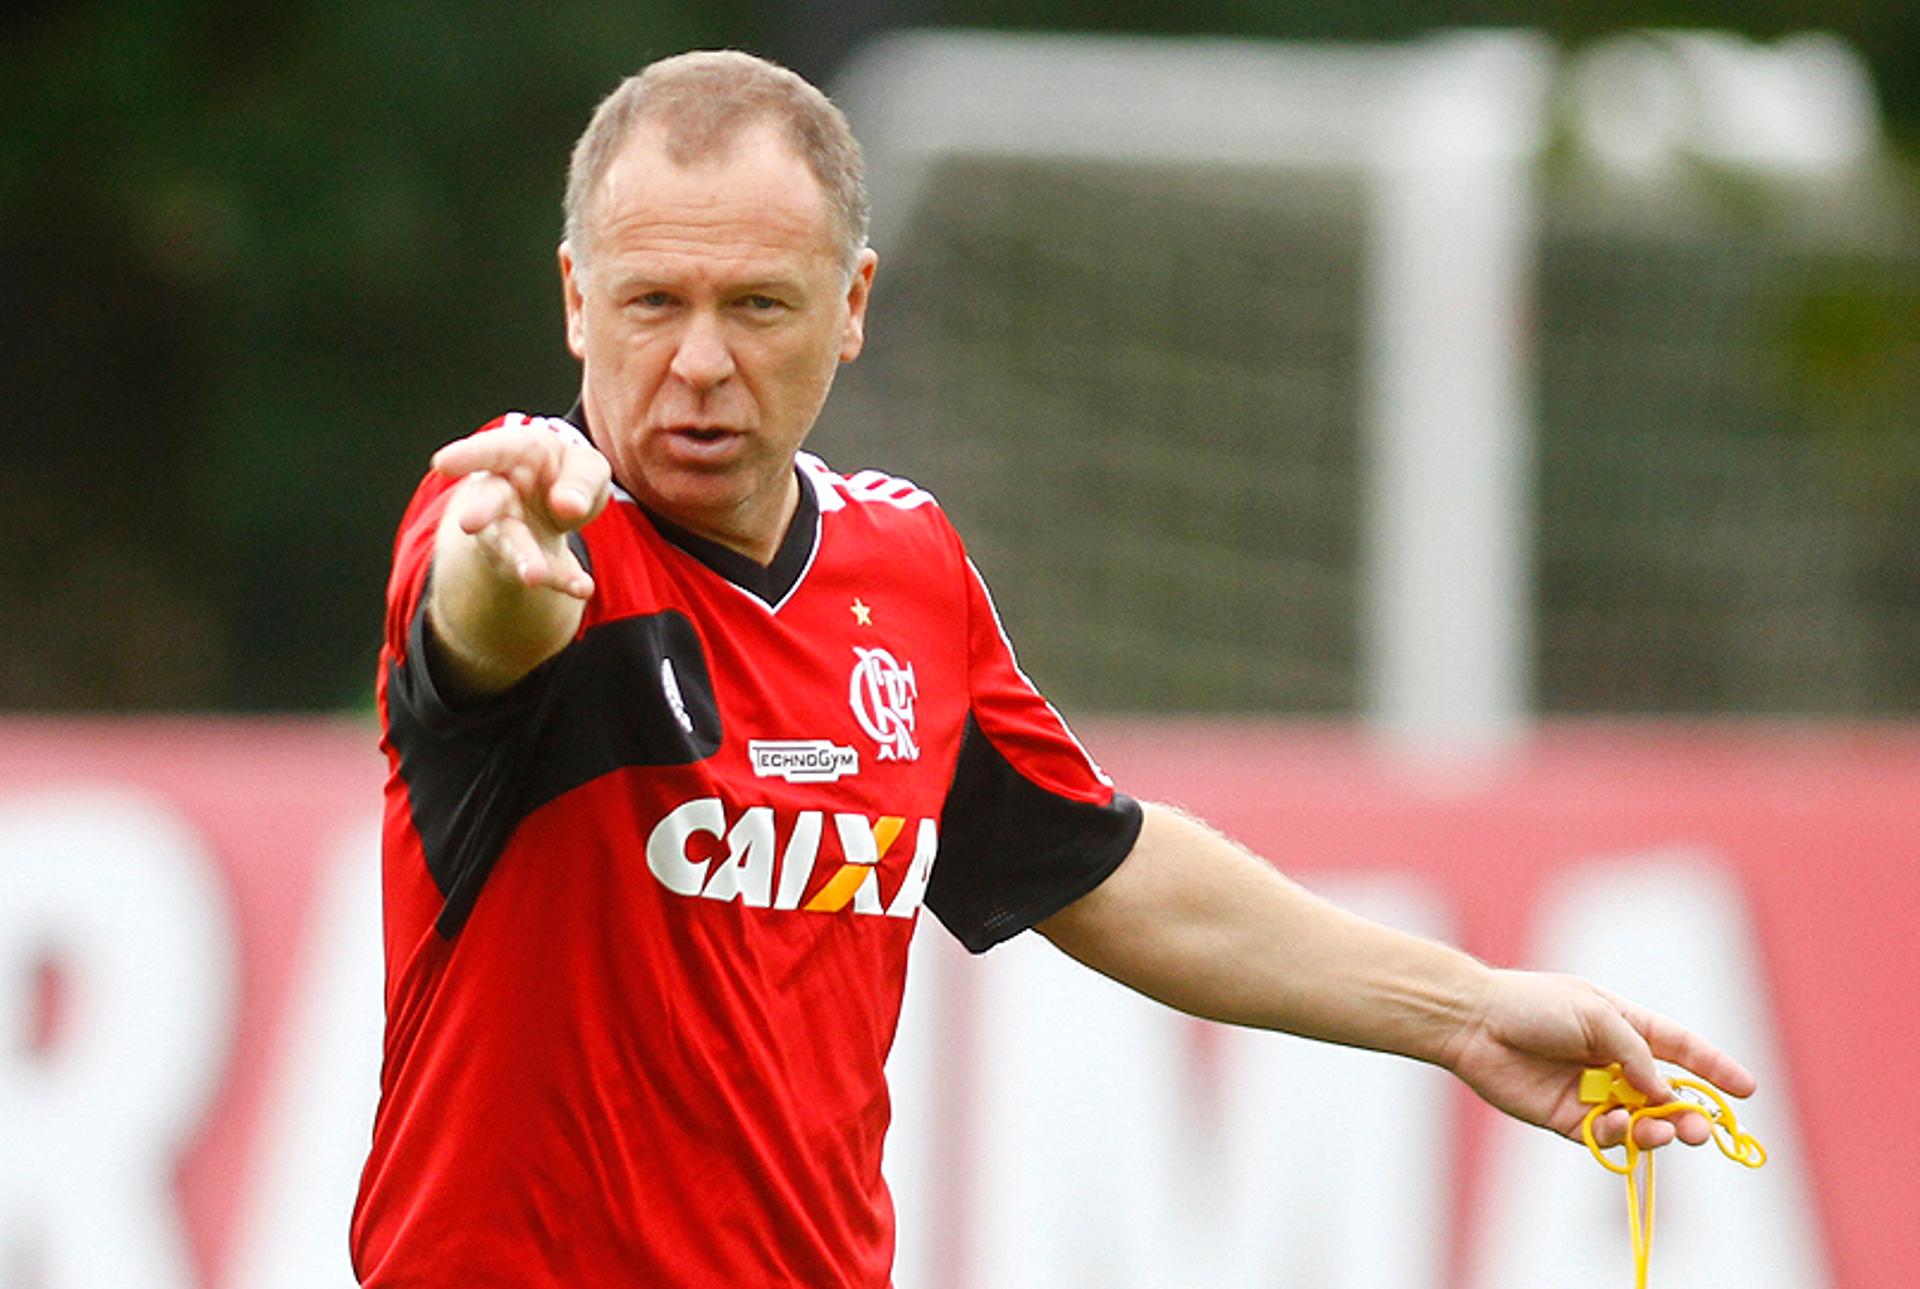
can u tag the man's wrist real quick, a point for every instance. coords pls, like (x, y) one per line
(1462, 999)
(492, 627)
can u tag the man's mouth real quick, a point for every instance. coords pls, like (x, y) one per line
(703, 444)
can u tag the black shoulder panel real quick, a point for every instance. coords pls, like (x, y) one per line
(632, 692)
(1012, 853)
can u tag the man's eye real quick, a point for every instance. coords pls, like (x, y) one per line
(653, 300)
(761, 303)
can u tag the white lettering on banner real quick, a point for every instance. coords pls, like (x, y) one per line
(120, 895)
(748, 873)
(1669, 930)
(1335, 1165)
(1325, 1166)
(929, 1072)
(319, 1113)
(1098, 1159)
(1294, 1163)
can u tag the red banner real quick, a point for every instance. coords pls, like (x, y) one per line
(188, 955)
(1816, 829)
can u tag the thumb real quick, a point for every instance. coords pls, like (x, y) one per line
(1620, 1041)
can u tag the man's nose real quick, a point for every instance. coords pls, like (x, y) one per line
(703, 359)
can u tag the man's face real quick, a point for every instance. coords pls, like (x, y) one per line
(710, 310)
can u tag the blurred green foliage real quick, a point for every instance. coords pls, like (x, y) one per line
(262, 259)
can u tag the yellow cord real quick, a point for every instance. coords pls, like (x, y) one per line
(1607, 1089)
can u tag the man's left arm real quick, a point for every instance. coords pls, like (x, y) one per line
(1196, 922)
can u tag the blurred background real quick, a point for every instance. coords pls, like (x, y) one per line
(264, 260)
(1295, 371)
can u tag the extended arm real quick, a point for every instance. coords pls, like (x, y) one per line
(507, 591)
(1194, 921)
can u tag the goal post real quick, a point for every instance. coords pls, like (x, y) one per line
(1444, 133)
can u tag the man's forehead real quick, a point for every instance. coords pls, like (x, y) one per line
(754, 167)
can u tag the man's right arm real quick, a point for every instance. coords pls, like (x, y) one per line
(507, 592)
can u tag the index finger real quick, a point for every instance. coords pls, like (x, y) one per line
(1672, 1041)
(498, 450)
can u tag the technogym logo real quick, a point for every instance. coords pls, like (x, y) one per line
(814, 760)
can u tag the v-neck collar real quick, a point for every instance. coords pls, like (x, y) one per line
(770, 583)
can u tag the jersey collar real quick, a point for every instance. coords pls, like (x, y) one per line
(772, 583)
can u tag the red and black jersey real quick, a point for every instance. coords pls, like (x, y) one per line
(647, 913)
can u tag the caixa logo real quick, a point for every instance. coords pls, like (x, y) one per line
(768, 861)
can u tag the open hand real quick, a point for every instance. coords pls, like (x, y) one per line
(1534, 1033)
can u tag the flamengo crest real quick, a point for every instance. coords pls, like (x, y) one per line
(881, 692)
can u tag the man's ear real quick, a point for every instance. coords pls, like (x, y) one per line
(859, 290)
(572, 295)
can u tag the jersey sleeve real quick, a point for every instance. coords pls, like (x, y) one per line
(462, 761)
(1030, 823)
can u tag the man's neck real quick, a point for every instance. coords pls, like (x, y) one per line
(755, 529)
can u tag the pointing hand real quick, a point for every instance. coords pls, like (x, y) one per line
(523, 489)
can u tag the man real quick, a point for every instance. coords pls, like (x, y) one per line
(684, 727)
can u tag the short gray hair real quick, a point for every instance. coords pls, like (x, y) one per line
(704, 99)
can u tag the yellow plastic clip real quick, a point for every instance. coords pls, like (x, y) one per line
(1607, 1089)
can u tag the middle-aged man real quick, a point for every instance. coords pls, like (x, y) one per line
(684, 727)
